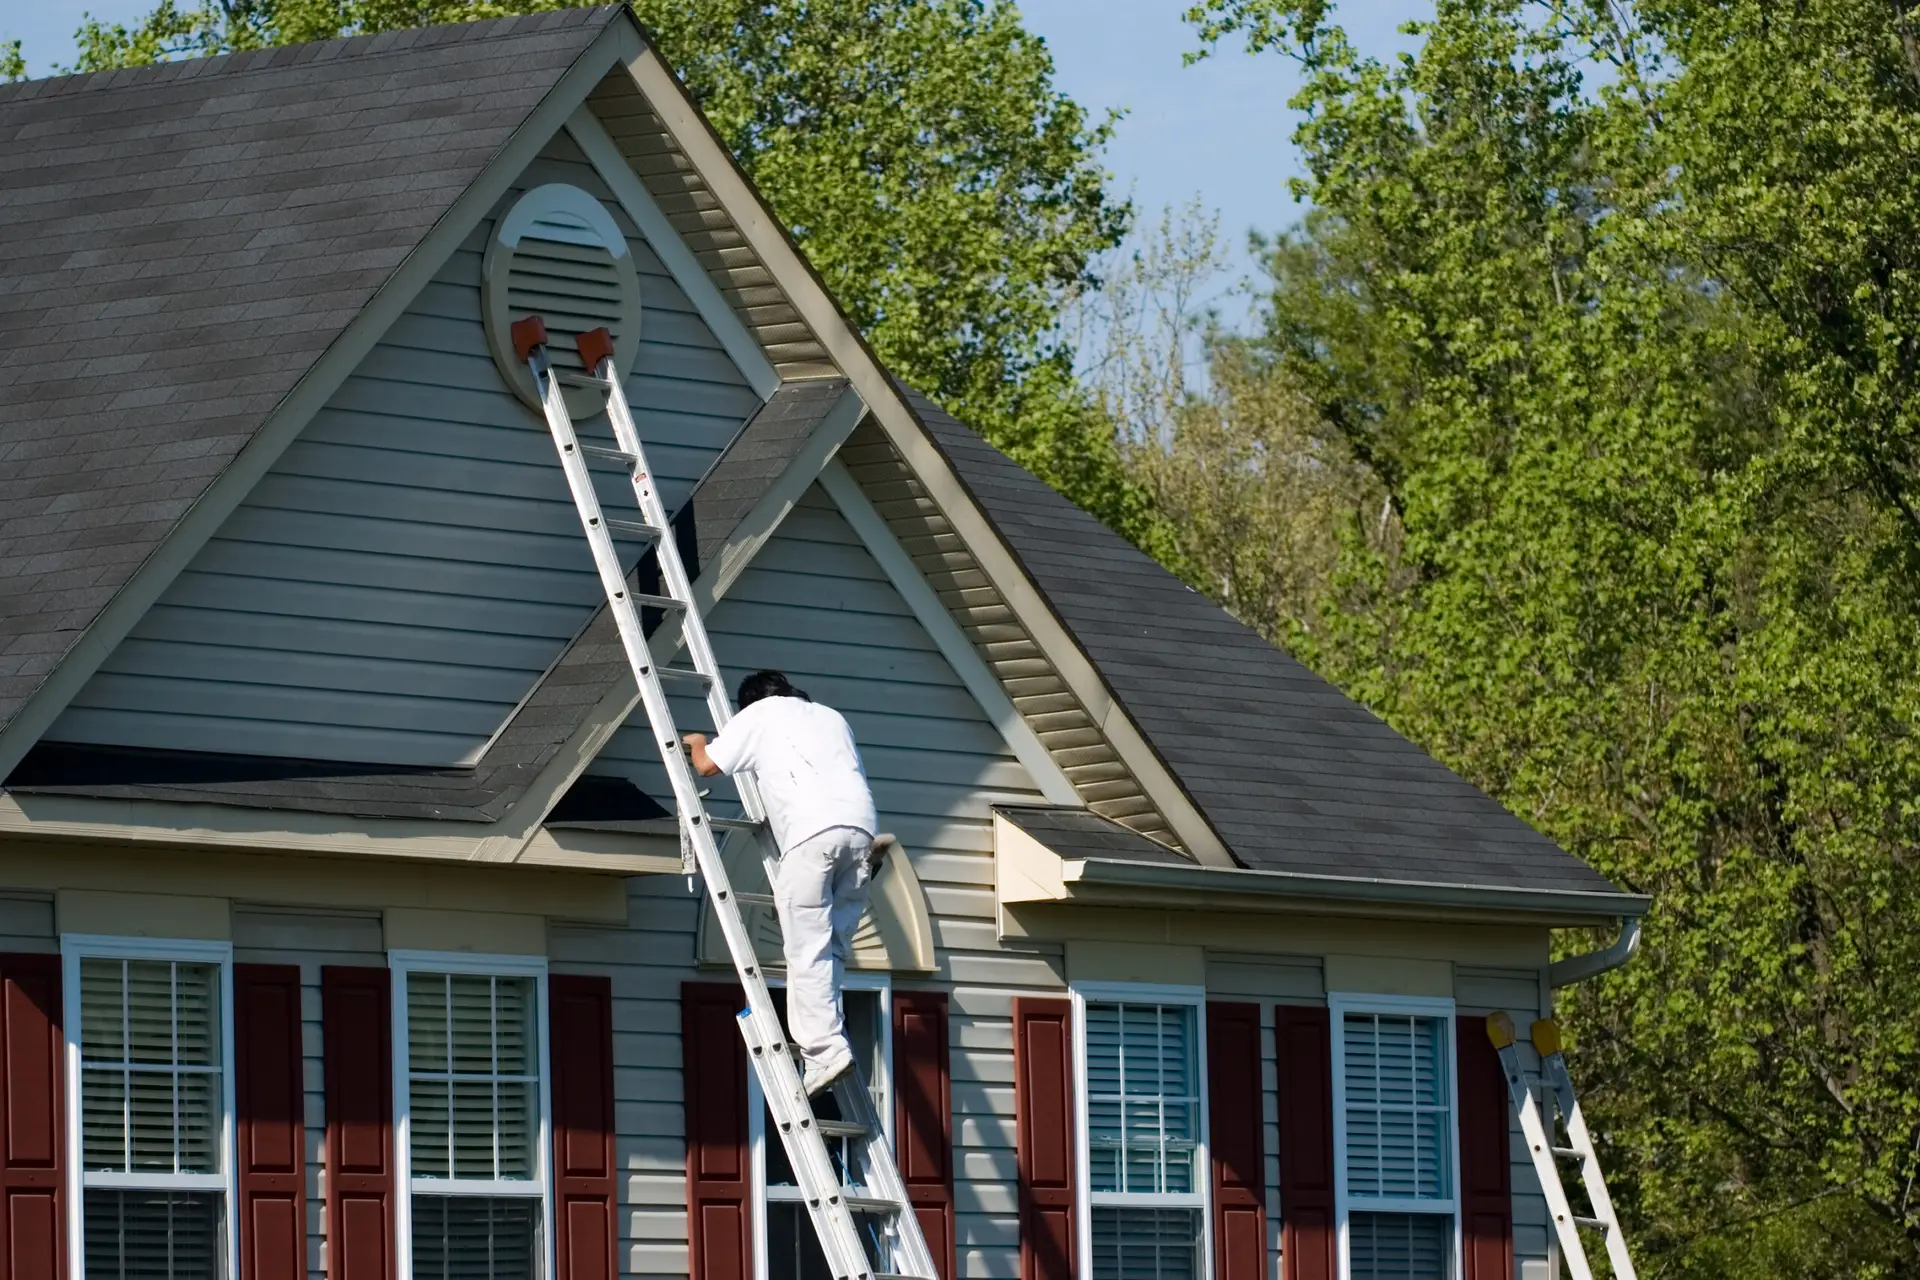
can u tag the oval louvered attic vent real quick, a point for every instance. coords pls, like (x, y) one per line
(558, 254)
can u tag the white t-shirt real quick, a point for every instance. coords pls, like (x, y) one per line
(803, 757)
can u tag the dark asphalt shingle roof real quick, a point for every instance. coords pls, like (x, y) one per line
(1082, 833)
(1292, 774)
(585, 672)
(182, 242)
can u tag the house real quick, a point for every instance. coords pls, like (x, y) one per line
(344, 933)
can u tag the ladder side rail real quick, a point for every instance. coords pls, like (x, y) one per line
(833, 1220)
(911, 1252)
(810, 1160)
(1533, 1128)
(693, 629)
(1555, 1066)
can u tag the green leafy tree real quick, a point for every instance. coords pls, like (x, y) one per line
(13, 66)
(950, 195)
(1615, 303)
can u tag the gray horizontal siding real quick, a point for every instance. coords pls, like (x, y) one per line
(815, 604)
(27, 923)
(394, 585)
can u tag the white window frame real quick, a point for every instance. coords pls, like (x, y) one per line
(757, 1137)
(75, 946)
(1139, 993)
(1339, 1005)
(401, 964)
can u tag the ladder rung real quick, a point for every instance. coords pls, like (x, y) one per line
(840, 1129)
(580, 380)
(895, 1275)
(601, 451)
(755, 899)
(681, 673)
(734, 824)
(634, 527)
(1592, 1224)
(657, 602)
(869, 1204)
(1568, 1153)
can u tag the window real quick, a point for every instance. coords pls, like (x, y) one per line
(149, 1059)
(1143, 1120)
(1395, 1147)
(470, 1041)
(788, 1248)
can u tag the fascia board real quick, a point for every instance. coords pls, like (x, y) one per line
(1105, 881)
(734, 337)
(619, 43)
(157, 822)
(154, 824)
(510, 838)
(775, 248)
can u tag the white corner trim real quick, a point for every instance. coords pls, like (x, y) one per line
(871, 527)
(616, 45)
(738, 341)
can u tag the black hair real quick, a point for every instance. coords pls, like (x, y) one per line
(766, 684)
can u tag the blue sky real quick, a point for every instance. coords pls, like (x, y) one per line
(1219, 130)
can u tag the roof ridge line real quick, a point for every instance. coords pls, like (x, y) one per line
(270, 57)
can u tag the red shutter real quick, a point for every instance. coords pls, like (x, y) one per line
(270, 1099)
(719, 1162)
(1309, 1244)
(33, 1230)
(1486, 1190)
(356, 1023)
(580, 1011)
(1043, 1102)
(923, 1117)
(1235, 1126)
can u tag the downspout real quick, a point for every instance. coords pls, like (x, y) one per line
(1564, 973)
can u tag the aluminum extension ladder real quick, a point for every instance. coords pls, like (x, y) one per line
(1538, 1128)
(868, 1208)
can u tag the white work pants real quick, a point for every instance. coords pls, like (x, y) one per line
(821, 890)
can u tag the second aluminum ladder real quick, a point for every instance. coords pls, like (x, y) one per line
(1537, 1126)
(858, 1206)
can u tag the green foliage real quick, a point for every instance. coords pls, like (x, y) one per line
(1636, 367)
(951, 198)
(13, 65)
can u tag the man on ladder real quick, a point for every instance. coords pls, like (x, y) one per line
(802, 756)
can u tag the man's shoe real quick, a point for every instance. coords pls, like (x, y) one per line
(823, 1075)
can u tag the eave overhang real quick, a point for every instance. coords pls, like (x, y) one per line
(1029, 872)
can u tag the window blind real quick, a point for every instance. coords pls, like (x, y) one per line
(1143, 1126)
(1146, 1244)
(1143, 1099)
(152, 1235)
(151, 1094)
(1398, 1114)
(473, 1081)
(1399, 1246)
(474, 1237)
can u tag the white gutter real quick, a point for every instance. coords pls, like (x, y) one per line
(1564, 973)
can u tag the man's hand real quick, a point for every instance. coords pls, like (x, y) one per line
(696, 745)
